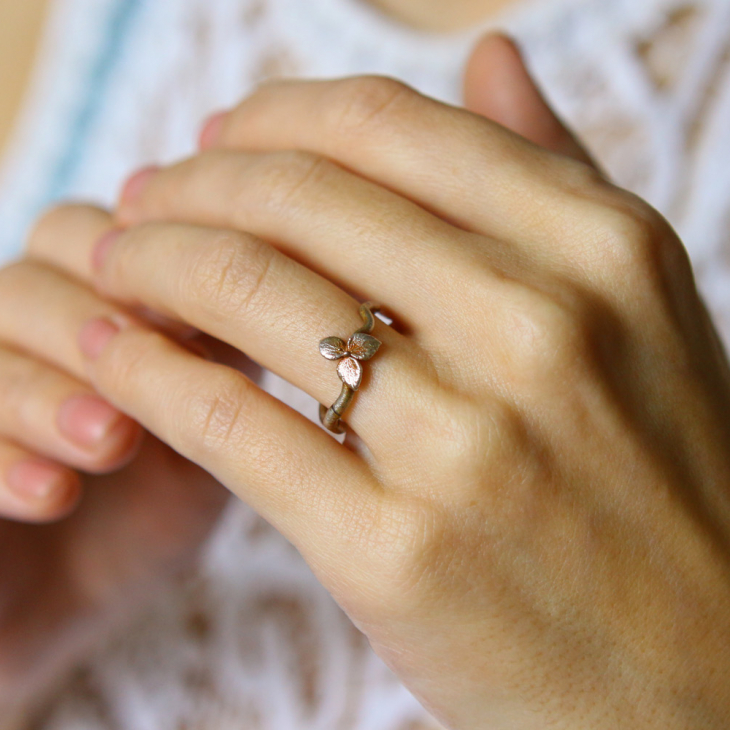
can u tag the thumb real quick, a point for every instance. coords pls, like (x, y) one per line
(498, 86)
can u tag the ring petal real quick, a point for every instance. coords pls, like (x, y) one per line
(362, 346)
(350, 372)
(333, 348)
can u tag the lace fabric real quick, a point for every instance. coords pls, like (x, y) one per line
(249, 638)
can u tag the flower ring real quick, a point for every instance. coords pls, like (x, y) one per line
(361, 346)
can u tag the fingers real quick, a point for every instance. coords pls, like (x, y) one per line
(34, 489)
(58, 239)
(41, 310)
(54, 415)
(245, 292)
(54, 237)
(498, 86)
(48, 414)
(287, 468)
(463, 167)
(335, 222)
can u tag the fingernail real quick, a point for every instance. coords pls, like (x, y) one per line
(134, 186)
(95, 335)
(102, 247)
(211, 130)
(87, 419)
(36, 479)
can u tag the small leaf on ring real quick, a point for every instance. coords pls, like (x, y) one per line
(333, 348)
(350, 372)
(362, 346)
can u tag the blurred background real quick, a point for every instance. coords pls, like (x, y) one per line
(245, 637)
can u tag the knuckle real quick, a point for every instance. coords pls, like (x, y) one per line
(216, 418)
(548, 335)
(577, 177)
(287, 177)
(637, 244)
(230, 276)
(369, 102)
(459, 438)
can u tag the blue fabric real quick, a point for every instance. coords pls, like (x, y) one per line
(93, 90)
(121, 20)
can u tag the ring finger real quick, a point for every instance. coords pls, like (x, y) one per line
(245, 292)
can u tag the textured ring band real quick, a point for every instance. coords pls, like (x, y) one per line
(361, 346)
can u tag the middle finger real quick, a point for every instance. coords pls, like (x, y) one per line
(356, 233)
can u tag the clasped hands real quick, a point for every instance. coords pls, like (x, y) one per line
(532, 525)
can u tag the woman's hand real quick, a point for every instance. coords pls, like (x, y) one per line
(532, 527)
(145, 508)
(66, 579)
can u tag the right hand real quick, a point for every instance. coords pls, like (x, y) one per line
(145, 509)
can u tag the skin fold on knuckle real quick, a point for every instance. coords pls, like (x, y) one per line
(284, 181)
(229, 278)
(368, 105)
(218, 419)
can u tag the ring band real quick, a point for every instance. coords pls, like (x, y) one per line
(361, 346)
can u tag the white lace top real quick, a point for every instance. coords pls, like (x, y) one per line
(249, 639)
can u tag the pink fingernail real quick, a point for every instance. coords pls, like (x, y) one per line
(36, 479)
(95, 335)
(102, 247)
(211, 130)
(87, 419)
(135, 185)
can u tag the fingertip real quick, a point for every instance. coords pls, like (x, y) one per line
(496, 79)
(102, 247)
(498, 85)
(136, 183)
(120, 447)
(96, 334)
(47, 491)
(211, 130)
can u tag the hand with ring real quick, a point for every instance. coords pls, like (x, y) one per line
(533, 525)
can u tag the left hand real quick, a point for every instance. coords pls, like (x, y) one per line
(533, 526)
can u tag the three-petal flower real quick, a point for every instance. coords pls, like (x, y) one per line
(360, 346)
